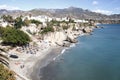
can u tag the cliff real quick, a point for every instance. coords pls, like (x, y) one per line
(63, 37)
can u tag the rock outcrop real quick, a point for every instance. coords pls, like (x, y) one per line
(87, 30)
(71, 39)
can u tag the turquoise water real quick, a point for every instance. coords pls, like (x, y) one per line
(95, 57)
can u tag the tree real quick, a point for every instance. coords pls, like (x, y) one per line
(18, 22)
(26, 22)
(71, 21)
(1, 31)
(47, 29)
(14, 37)
(8, 18)
(6, 74)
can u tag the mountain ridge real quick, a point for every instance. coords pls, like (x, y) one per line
(73, 12)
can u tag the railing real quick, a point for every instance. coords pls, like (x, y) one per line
(4, 60)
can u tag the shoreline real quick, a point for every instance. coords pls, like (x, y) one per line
(50, 57)
(35, 74)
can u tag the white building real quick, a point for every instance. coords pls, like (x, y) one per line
(41, 18)
(80, 21)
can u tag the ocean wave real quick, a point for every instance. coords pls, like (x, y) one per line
(62, 52)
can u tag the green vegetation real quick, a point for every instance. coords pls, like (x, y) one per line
(1, 30)
(18, 23)
(57, 23)
(54, 22)
(35, 22)
(71, 21)
(26, 22)
(65, 27)
(6, 74)
(47, 29)
(64, 22)
(7, 18)
(14, 37)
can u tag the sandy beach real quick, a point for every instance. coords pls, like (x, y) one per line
(27, 66)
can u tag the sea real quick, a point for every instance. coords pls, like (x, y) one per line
(94, 57)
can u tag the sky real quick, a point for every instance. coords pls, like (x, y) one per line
(101, 6)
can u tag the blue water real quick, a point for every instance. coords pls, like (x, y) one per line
(95, 57)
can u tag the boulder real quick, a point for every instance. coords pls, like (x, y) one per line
(59, 43)
(66, 44)
(87, 30)
(72, 40)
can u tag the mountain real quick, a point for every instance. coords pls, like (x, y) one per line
(71, 12)
(11, 12)
(115, 16)
(66, 12)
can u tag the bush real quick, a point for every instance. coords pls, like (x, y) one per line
(14, 37)
(47, 29)
(35, 22)
(26, 22)
(54, 22)
(65, 27)
(6, 74)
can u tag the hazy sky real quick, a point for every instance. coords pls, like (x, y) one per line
(102, 6)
